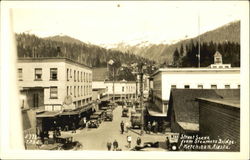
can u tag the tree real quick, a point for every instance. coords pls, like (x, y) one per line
(176, 57)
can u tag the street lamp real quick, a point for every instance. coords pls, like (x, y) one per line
(111, 62)
(140, 73)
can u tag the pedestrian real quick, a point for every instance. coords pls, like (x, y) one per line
(109, 144)
(122, 127)
(153, 126)
(115, 145)
(138, 141)
(73, 128)
(156, 127)
(129, 139)
(127, 126)
(149, 128)
(167, 142)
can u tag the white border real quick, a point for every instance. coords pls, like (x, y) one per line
(8, 98)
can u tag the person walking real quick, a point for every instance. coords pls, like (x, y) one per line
(129, 139)
(126, 126)
(149, 128)
(122, 127)
(156, 127)
(167, 143)
(153, 126)
(73, 128)
(109, 144)
(138, 141)
(115, 145)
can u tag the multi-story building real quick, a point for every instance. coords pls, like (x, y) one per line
(122, 89)
(50, 87)
(49, 82)
(184, 78)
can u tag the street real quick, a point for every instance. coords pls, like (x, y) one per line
(96, 138)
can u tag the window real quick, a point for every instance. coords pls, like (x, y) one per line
(81, 90)
(226, 66)
(53, 92)
(74, 91)
(38, 73)
(74, 75)
(67, 74)
(220, 66)
(122, 89)
(20, 74)
(70, 73)
(200, 86)
(227, 86)
(214, 66)
(84, 77)
(84, 91)
(78, 76)
(67, 90)
(53, 73)
(78, 92)
(81, 76)
(186, 86)
(173, 86)
(70, 90)
(213, 86)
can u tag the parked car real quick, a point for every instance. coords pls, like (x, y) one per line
(125, 112)
(136, 120)
(67, 143)
(94, 121)
(109, 115)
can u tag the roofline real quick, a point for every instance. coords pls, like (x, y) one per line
(50, 59)
(211, 100)
(203, 69)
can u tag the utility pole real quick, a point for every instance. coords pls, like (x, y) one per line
(141, 97)
(113, 84)
(199, 54)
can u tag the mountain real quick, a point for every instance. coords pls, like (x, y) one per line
(65, 46)
(64, 39)
(163, 52)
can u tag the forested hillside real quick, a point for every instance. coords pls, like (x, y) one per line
(64, 46)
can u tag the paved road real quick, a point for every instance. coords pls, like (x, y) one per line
(96, 138)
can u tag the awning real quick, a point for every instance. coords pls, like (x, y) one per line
(48, 114)
(76, 111)
(154, 111)
(106, 98)
(189, 126)
(157, 114)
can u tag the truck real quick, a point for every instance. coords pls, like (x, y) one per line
(136, 120)
(125, 112)
(173, 139)
(108, 115)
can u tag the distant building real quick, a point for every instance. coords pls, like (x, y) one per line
(218, 61)
(191, 78)
(219, 118)
(122, 89)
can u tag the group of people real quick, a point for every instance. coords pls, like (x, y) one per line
(115, 143)
(124, 126)
(155, 127)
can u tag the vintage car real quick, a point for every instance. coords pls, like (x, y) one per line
(173, 141)
(94, 121)
(108, 115)
(67, 143)
(125, 112)
(136, 120)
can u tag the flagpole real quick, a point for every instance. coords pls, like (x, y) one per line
(199, 54)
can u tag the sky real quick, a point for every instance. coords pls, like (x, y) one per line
(125, 21)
